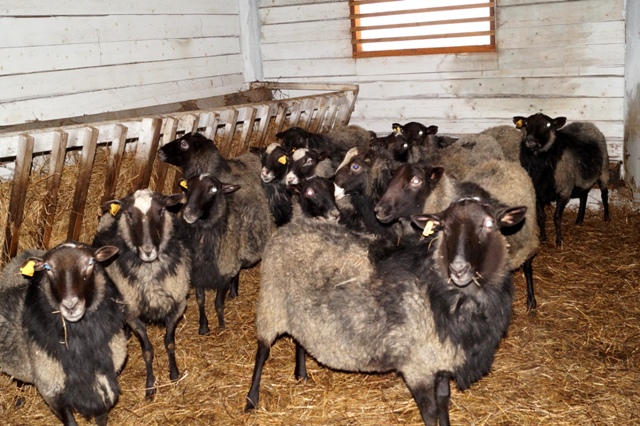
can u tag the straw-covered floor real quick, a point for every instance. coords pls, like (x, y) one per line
(574, 362)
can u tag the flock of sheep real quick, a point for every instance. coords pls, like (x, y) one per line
(377, 254)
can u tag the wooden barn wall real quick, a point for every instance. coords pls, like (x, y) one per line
(67, 58)
(562, 57)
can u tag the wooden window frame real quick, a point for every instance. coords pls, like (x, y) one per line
(356, 28)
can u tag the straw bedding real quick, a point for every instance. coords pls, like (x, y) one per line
(575, 361)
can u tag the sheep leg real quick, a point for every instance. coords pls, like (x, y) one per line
(604, 194)
(204, 322)
(425, 397)
(254, 392)
(101, 419)
(62, 410)
(170, 340)
(235, 284)
(221, 295)
(301, 363)
(443, 395)
(140, 330)
(541, 217)
(561, 203)
(527, 268)
(583, 207)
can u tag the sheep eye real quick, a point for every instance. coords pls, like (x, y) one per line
(548, 124)
(355, 167)
(416, 181)
(91, 261)
(184, 144)
(405, 145)
(214, 190)
(420, 133)
(488, 223)
(309, 192)
(47, 267)
(308, 162)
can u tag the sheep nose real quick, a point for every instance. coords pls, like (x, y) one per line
(459, 268)
(334, 214)
(70, 303)
(383, 212)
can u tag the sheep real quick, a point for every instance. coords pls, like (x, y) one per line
(432, 312)
(62, 328)
(196, 155)
(152, 268)
(275, 165)
(340, 138)
(307, 163)
(229, 237)
(509, 139)
(564, 163)
(315, 197)
(364, 176)
(419, 188)
(423, 135)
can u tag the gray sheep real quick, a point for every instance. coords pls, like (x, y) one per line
(152, 269)
(61, 328)
(509, 139)
(419, 188)
(430, 311)
(564, 162)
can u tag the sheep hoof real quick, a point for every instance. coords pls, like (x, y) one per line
(203, 330)
(19, 402)
(150, 394)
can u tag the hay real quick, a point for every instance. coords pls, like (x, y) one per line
(575, 362)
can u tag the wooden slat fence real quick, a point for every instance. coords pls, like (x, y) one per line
(234, 129)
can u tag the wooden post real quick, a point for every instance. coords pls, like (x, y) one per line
(18, 196)
(247, 128)
(50, 204)
(168, 135)
(146, 150)
(89, 142)
(265, 118)
(114, 162)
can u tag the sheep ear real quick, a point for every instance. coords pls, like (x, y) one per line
(256, 151)
(432, 130)
(112, 207)
(520, 122)
(173, 199)
(429, 223)
(294, 189)
(396, 127)
(510, 216)
(31, 265)
(558, 122)
(228, 188)
(105, 252)
(322, 155)
(368, 159)
(436, 174)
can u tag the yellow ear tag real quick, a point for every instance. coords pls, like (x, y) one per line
(114, 209)
(519, 124)
(397, 130)
(27, 270)
(282, 160)
(183, 183)
(428, 229)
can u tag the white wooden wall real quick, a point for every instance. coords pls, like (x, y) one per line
(561, 57)
(66, 58)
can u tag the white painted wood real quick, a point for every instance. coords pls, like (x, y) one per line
(280, 3)
(250, 39)
(592, 55)
(49, 31)
(310, 68)
(118, 7)
(560, 12)
(300, 50)
(427, 63)
(338, 29)
(538, 39)
(21, 60)
(316, 11)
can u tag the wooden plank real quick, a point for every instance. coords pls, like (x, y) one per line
(427, 63)
(608, 32)
(18, 196)
(247, 128)
(119, 7)
(114, 161)
(50, 203)
(280, 3)
(189, 123)
(309, 68)
(338, 30)
(82, 184)
(28, 59)
(308, 106)
(265, 118)
(280, 116)
(100, 101)
(561, 12)
(593, 55)
(226, 147)
(295, 49)
(296, 110)
(316, 121)
(39, 85)
(211, 128)
(168, 135)
(332, 112)
(146, 150)
(304, 13)
(55, 30)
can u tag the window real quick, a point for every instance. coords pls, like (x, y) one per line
(416, 27)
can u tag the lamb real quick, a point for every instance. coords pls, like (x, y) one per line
(340, 139)
(564, 163)
(420, 188)
(152, 269)
(196, 155)
(364, 177)
(315, 197)
(307, 163)
(61, 328)
(229, 236)
(433, 312)
(275, 165)
(423, 135)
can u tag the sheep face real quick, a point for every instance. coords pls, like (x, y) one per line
(67, 276)
(407, 192)
(352, 174)
(294, 138)
(472, 249)
(205, 199)
(143, 221)
(539, 131)
(181, 151)
(304, 163)
(317, 198)
(275, 162)
(414, 130)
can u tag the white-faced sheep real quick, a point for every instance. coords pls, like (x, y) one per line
(61, 328)
(275, 165)
(308, 162)
(196, 155)
(564, 162)
(433, 312)
(152, 269)
(419, 188)
(228, 235)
